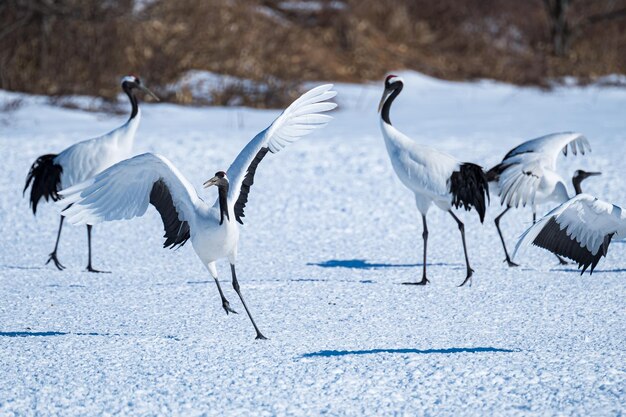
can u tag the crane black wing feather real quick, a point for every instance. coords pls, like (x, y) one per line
(556, 240)
(176, 231)
(248, 180)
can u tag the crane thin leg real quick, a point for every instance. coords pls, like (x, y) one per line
(424, 280)
(53, 255)
(89, 267)
(225, 303)
(470, 271)
(506, 253)
(561, 260)
(259, 335)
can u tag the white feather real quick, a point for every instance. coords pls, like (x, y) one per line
(123, 192)
(530, 177)
(422, 169)
(298, 120)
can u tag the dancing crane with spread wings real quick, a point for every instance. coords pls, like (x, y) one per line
(125, 190)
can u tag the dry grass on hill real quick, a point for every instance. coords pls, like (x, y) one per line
(83, 46)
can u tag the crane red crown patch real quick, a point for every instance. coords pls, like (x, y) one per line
(390, 76)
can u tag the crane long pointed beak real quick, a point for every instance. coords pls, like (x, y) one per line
(147, 91)
(210, 182)
(382, 100)
(594, 173)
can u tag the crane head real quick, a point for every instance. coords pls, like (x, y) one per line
(131, 81)
(220, 179)
(392, 83)
(581, 175)
(392, 78)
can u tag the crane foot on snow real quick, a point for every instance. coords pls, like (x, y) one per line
(226, 306)
(511, 263)
(424, 281)
(53, 257)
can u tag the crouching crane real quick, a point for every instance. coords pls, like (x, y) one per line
(124, 191)
(580, 229)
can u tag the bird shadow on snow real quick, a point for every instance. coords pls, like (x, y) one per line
(363, 281)
(364, 264)
(595, 271)
(20, 267)
(445, 351)
(54, 333)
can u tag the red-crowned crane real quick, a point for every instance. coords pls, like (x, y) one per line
(53, 172)
(527, 175)
(580, 229)
(433, 176)
(124, 191)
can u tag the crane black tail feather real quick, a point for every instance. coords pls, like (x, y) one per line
(469, 187)
(44, 178)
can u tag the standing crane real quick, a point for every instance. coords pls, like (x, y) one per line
(51, 173)
(527, 176)
(124, 191)
(433, 176)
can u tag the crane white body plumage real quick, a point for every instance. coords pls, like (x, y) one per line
(87, 158)
(421, 169)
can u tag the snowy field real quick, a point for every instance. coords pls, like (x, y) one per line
(330, 236)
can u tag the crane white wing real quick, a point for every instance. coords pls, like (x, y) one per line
(580, 229)
(299, 119)
(124, 191)
(518, 183)
(522, 170)
(429, 168)
(550, 146)
(420, 168)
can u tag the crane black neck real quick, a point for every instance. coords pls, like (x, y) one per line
(133, 100)
(387, 104)
(222, 192)
(576, 181)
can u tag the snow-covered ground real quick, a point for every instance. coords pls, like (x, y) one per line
(330, 235)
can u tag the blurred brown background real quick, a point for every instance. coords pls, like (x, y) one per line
(60, 47)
